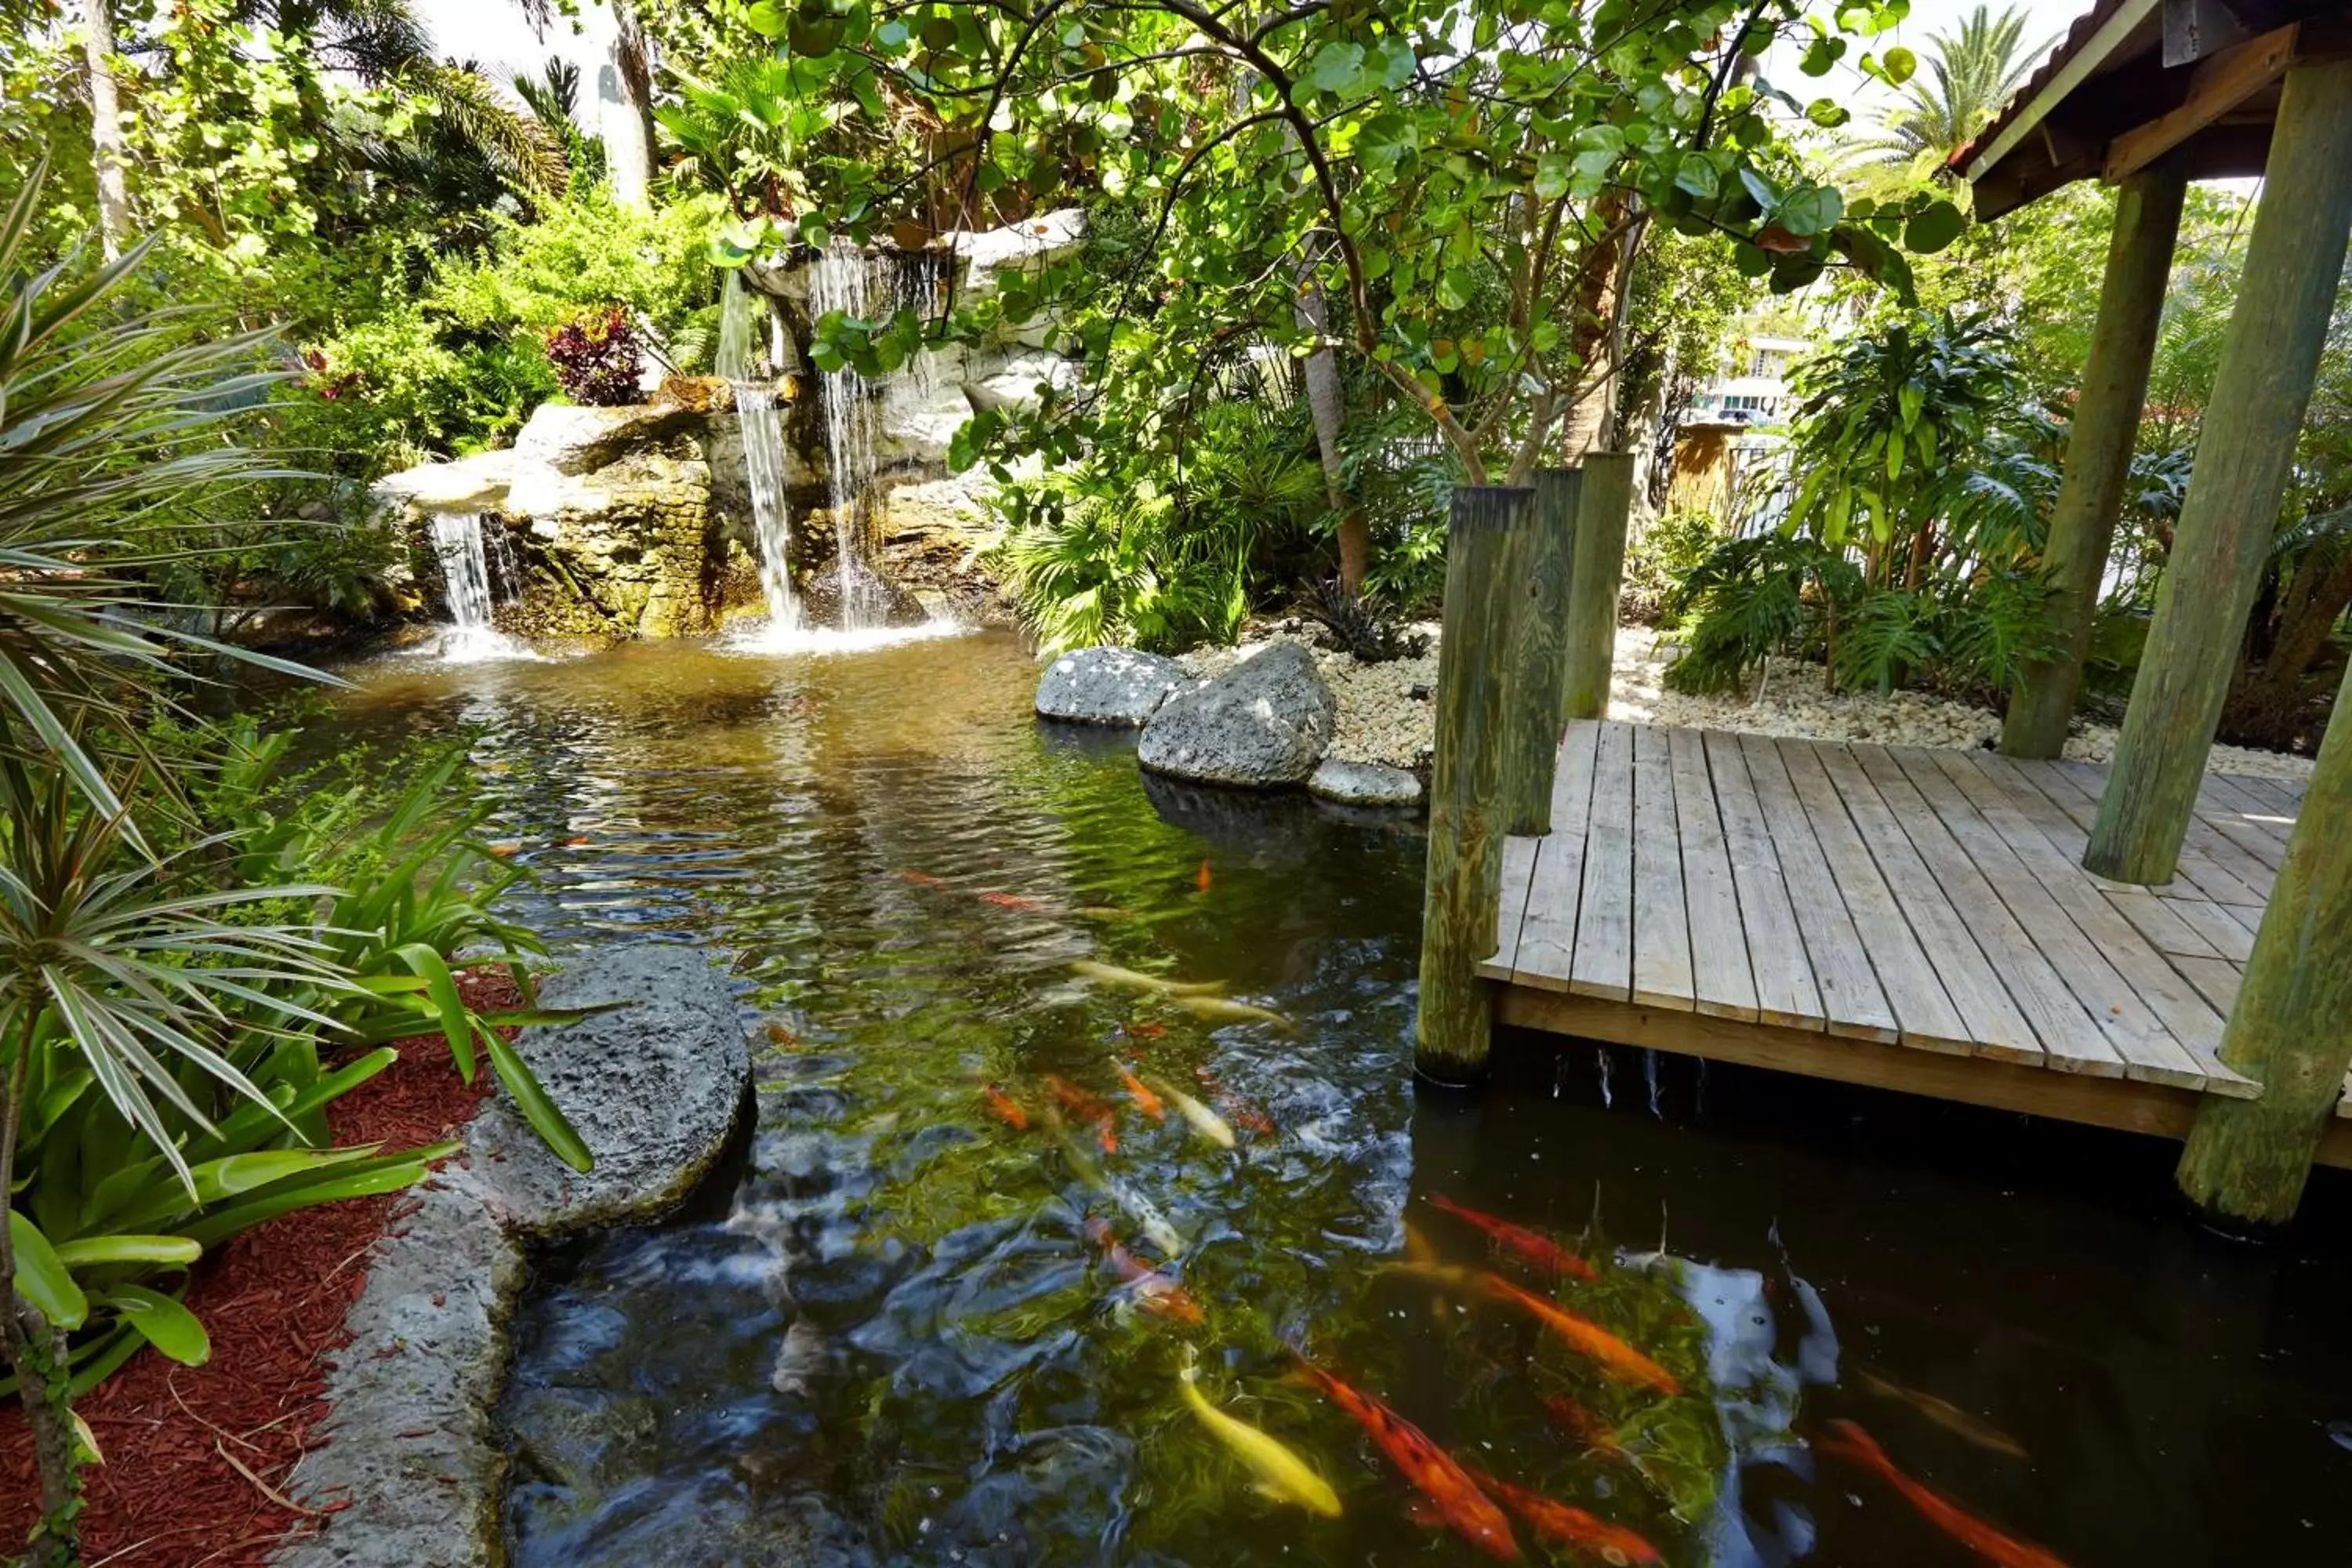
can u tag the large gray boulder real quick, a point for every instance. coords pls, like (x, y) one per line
(1107, 686)
(572, 439)
(478, 483)
(1264, 724)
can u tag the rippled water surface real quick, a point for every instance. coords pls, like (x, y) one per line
(886, 1335)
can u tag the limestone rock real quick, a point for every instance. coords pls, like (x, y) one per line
(1363, 783)
(478, 483)
(1107, 686)
(1021, 246)
(1017, 384)
(573, 439)
(1266, 723)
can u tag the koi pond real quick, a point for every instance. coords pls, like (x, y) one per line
(1035, 1256)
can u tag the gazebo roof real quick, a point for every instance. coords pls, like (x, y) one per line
(2134, 80)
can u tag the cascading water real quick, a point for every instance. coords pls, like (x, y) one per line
(464, 558)
(867, 287)
(763, 455)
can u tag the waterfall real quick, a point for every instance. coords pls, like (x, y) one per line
(864, 288)
(763, 453)
(464, 558)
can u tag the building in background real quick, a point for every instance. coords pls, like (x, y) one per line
(1731, 436)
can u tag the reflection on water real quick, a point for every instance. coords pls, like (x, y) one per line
(892, 1339)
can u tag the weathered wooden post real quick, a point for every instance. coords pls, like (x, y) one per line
(2291, 1029)
(1540, 571)
(2269, 360)
(1597, 574)
(1466, 812)
(2099, 450)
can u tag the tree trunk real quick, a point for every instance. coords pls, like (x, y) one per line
(624, 96)
(1593, 324)
(2270, 360)
(1328, 407)
(107, 154)
(2099, 450)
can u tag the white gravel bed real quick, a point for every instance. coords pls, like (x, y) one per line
(1382, 721)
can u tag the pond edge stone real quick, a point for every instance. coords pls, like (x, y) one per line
(414, 1467)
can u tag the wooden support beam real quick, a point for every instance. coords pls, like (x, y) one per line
(1467, 811)
(2270, 358)
(1539, 666)
(2099, 451)
(2291, 1026)
(1602, 514)
(2217, 86)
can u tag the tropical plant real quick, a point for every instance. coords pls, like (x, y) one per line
(596, 358)
(1970, 74)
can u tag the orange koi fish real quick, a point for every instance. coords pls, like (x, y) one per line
(1145, 1100)
(1004, 1108)
(921, 878)
(1153, 1291)
(1200, 882)
(1012, 902)
(1850, 1442)
(1086, 1108)
(1570, 1527)
(1144, 1031)
(1582, 1424)
(1453, 1497)
(1531, 1246)
(1237, 1111)
(1613, 1355)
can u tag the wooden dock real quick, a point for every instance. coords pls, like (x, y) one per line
(1900, 917)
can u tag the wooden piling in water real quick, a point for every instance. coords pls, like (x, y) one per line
(1540, 571)
(1602, 507)
(1467, 816)
(2291, 1026)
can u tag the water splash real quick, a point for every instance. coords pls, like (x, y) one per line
(763, 455)
(1602, 1056)
(457, 545)
(862, 287)
(1650, 1072)
(782, 641)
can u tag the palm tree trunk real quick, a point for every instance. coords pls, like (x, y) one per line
(1327, 406)
(626, 83)
(107, 152)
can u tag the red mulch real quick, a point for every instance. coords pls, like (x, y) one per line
(175, 1491)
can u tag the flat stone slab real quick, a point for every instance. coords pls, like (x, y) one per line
(1107, 686)
(478, 483)
(1263, 725)
(413, 1463)
(1363, 783)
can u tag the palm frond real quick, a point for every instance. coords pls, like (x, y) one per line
(522, 150)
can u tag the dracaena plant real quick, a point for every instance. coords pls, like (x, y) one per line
(161, 1008)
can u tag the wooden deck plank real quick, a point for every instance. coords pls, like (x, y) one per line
(1785, 991)
(2218, 924)
(1519, 869)
(1923, 1011)
(2140, 1043)
(1661, 939)
(1548, 937)
(2158, 919)
(1990, 1021)
(2182, 1047)
(2242, 817)
(2216, 980)
(2076, 788)
(1853, 1002)
(2061, 1024)
(1603, 961)
(2262, 802)
(1722, 980)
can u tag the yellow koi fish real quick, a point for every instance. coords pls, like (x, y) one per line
(1219, 1010)
(1281, 1475)
(1206, 1122)
(1136, 980)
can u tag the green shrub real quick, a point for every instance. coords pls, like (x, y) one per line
(1660, 556)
